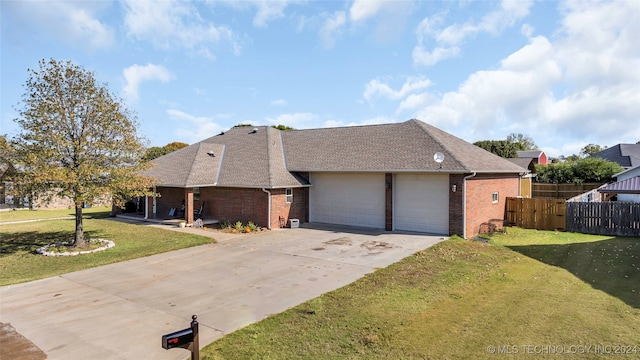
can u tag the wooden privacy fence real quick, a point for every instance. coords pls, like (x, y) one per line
(561, 191)
(540, 214)
(604, 218)
(601, 218)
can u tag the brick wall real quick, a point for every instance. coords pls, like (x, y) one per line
(482, 214)
(169, 198)
(388, 202)
(241, 204)
(456, 226)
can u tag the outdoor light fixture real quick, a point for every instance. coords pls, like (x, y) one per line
(453, 188)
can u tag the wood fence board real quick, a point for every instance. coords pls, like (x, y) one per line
(602, 218)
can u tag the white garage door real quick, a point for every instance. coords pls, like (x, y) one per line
(421, 203)
(347, 199)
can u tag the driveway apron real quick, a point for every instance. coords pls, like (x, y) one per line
(120, 311)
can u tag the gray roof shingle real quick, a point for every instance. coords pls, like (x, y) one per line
(627, 155)
(269, 158)
(407, 146)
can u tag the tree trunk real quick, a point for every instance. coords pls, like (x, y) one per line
(79, 237)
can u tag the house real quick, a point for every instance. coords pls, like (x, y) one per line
(405, 176)
(535, 157)
(626, 155)
(627, 186)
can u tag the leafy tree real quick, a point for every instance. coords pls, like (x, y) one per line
(581, 171)
(591, 149)
(522, 142)
(502, 148)
(76, 140)
(155, 152)
(242, 125)
(282, 127)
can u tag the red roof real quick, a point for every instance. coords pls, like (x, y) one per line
(627, 186)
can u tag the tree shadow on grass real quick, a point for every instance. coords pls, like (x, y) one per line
(29, 241)
(612, 265)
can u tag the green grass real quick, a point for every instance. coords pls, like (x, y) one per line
(25, 214)
(459, 298)
(18, 242)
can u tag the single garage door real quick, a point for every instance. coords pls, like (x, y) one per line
(421, 203)
(347, 199)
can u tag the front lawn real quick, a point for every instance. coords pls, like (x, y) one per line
(26, 214)
(526, 293)
(18, 242)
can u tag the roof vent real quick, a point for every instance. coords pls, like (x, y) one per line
(211, 153)
(255, 130)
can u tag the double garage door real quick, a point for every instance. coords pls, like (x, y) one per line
(420, 201)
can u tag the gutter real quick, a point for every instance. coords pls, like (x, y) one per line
(269, 208)
(464, 204)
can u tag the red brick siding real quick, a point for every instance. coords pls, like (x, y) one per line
(456, 226)
(483, 215)
(169, 198)
(241, 204)
(388, 202)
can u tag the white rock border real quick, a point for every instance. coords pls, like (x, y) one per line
(43, 250)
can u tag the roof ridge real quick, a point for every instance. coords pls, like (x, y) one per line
(421, 124)
(269, 155)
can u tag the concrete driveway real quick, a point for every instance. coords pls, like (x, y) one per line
(120, 311)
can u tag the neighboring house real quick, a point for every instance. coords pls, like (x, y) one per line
(378, 176)
(627, 186)
(527, 179)
(534, 156)
(626, 155)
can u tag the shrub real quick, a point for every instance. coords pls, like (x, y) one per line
(252, 226)
(239, 226)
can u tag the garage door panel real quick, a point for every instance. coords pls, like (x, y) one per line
(421, 203)
(347, 199)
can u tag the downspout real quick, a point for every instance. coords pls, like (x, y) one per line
(269, 208)
(146, 207)
(464, 204)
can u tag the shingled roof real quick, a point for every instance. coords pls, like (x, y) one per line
(269, 158)
(626, 155)
(402, 147)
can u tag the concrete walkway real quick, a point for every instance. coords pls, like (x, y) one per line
(120, 311)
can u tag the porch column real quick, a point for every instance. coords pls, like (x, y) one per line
(188, 205)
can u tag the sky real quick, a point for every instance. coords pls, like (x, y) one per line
(564, 73)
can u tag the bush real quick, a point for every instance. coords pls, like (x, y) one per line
(582, 171)
(239, 226)
(252, 226)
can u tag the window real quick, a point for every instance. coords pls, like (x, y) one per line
(196, 193)
(494, 197)
(288, 196)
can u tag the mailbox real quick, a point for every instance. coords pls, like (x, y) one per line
(182, 339)
(185, 339)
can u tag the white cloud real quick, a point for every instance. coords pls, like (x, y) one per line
(136, 74)
(421, 56)
(377, 88)
(192, 128)
(279, 102)
(74, 22)
(268, 10)
(173, 24)
(593, 64)
(371, 121)
(363, 9)
(331, 29)
(295, 120)
(449, 39)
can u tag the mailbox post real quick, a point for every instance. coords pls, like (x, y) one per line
(185, 339)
